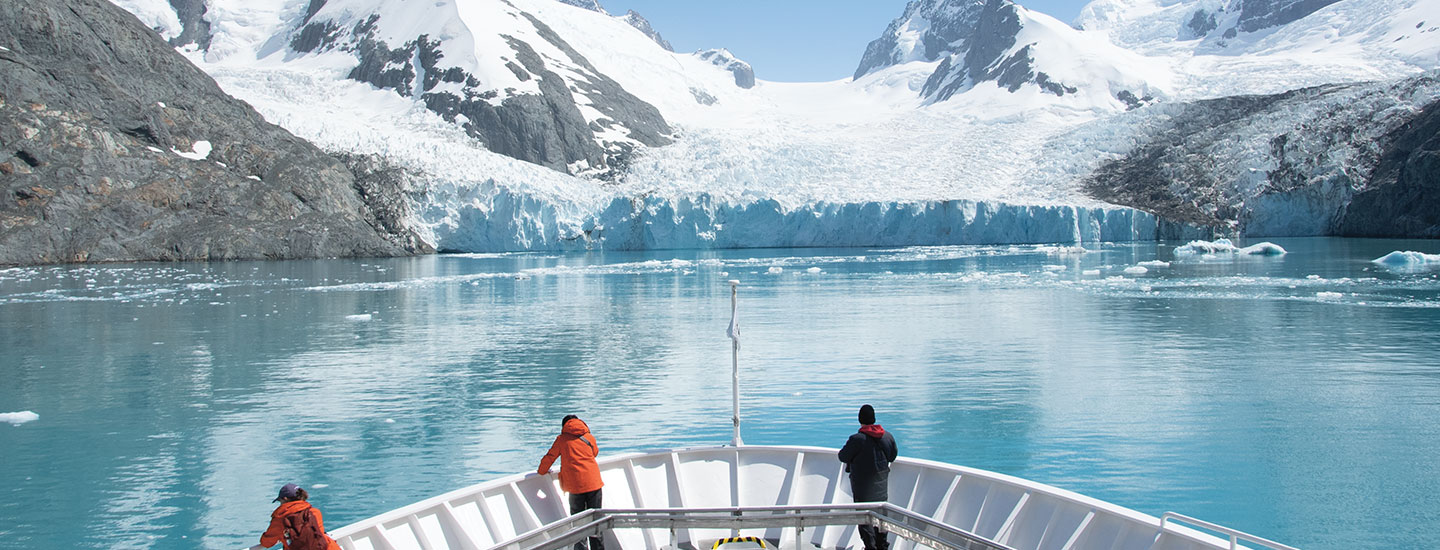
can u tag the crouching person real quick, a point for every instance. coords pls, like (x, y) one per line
(296, 524)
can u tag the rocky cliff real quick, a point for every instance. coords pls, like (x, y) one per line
(113, 147)
(1345, 159)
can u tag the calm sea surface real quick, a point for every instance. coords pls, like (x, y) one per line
(1296, 397)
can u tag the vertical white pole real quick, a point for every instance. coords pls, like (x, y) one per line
(735, 360)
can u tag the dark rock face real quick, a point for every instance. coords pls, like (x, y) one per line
(744, 74)
(1264, 14)
(93, 106)
(1402, 198)
(192, 19)
(546, 129)
(1201, 23)
(1349, 160)
(643, 25)
(1254, 15)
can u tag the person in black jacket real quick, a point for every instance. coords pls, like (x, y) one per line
(867, 456)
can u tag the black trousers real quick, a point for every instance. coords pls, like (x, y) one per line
(874, 538)
(580, 503)
(871, 490)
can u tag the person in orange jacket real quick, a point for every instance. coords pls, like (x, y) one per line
(296, 524)
(579, 474)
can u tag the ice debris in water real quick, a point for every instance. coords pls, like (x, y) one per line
(1154, 263)
(1329, 295)
(813, 270)
(1224, 246)
(360, 317)
(775, 270)
(1409, 260)
(1090, 272)
(18, 418)
(1136, 270)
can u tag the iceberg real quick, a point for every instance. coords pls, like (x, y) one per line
(18, 418)
(1409, 260)
(1225, 246)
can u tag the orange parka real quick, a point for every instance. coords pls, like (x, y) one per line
(576, 449)
(276, 532)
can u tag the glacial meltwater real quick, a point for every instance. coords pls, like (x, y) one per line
(160, 406)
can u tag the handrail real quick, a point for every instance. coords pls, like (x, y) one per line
(904, 523)
(1235, 535)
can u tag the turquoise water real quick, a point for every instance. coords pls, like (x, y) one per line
(1294, 397)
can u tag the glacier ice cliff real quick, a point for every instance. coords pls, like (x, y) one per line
(493, 218)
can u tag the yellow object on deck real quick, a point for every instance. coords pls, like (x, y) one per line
(756, 540)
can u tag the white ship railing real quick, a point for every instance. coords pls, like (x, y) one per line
(898, 521)
(1012, 512)
(1235, 536)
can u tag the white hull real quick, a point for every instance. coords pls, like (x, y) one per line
(1015, 512)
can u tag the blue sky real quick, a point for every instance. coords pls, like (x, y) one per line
(788, 40)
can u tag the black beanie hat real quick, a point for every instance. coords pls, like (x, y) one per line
(867, 414)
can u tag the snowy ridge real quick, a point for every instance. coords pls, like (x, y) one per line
(1345, 41)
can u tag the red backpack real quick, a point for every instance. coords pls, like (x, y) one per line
(304, 532)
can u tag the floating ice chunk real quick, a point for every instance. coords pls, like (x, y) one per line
(1315, 277)
(389, 420)
(1136, 270)
(1154, 263)
(1062, 250)
(813, 270)
(18, 418)
(1224, 246)
(1199, 248)
(1263, 249)
(199, 151)
(1329, 295)
(775, 270)
(319, 485)
(1090, 272)
(1409, 260)
(1053, 268)
(359, 317)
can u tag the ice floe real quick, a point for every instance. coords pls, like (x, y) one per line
(1409, 260)
(1226, 247)
(18, 418)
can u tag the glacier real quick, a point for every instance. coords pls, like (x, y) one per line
(505, 221)
(868, 161)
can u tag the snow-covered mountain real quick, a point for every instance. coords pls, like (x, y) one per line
(967, 122)
(1000, 43)
(641, 24)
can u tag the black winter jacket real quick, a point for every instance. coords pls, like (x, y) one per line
(867, 456)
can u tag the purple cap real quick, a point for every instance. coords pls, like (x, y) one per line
(289, 491)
